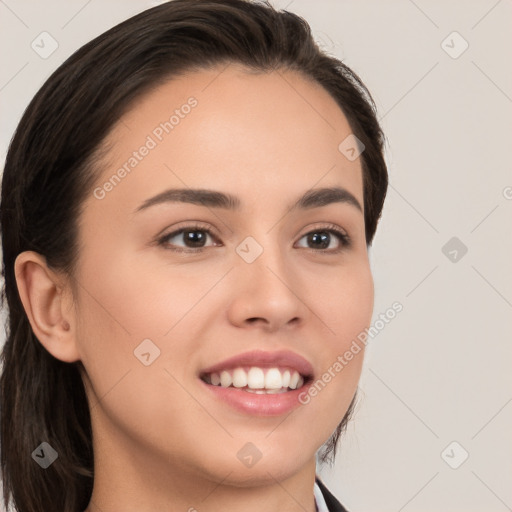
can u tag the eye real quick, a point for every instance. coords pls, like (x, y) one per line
(194, 238)
(322, 238)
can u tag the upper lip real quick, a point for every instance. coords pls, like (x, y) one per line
(265, 359)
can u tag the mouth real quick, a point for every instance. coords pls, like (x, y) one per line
(259, 383)
(258, 380)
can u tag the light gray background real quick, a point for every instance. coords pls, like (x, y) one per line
(440, 371)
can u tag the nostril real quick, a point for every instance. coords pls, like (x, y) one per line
(256, 319)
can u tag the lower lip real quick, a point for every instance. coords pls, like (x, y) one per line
(258, 404)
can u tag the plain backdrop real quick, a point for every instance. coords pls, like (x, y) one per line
(432, 428)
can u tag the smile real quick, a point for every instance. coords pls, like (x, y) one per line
(257, 380)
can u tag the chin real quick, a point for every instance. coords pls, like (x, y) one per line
(253, 464)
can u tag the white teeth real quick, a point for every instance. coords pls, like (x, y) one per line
(257, 381)
(273, 379)
(239, 378)
(255, 378)
(294, 379)
(266, 391)
(286, 379)
(225, 379)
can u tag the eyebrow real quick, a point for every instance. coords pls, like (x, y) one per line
(313, 198)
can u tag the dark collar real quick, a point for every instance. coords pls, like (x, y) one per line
(332, 503)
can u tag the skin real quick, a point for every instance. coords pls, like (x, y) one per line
(159, 439)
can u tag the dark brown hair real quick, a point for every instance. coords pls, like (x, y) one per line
(50, 169)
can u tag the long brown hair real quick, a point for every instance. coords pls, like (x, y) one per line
(50, 170)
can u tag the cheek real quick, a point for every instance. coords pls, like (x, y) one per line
(344, 304)
(135, 299)
(116, 312)
(124, 301)
(123, 305)
(343, 300)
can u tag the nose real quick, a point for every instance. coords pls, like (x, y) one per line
(267, 293)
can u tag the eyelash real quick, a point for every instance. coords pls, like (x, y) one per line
(345, 241)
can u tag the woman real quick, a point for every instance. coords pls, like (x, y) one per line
(187, 207)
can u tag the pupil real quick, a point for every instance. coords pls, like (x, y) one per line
(323, 238)
(195, 237)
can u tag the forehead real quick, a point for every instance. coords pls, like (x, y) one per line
(248, 133)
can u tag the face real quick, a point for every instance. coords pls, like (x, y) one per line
(171, 289)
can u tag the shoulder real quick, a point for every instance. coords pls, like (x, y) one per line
(332, 503)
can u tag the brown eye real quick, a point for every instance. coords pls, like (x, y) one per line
(321, 239)
(187, 239)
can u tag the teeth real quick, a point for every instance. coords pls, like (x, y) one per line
(267, 391)
(255, 378)
(273, 379)
(257, 381)
(225, 379)
(286, 378)
(239, 378)
(294, 379)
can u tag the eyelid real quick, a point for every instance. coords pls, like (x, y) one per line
(191, 225)
(325, 227)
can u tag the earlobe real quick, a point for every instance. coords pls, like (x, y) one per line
(43, 298)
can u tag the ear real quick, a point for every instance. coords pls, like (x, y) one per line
(46, 301)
